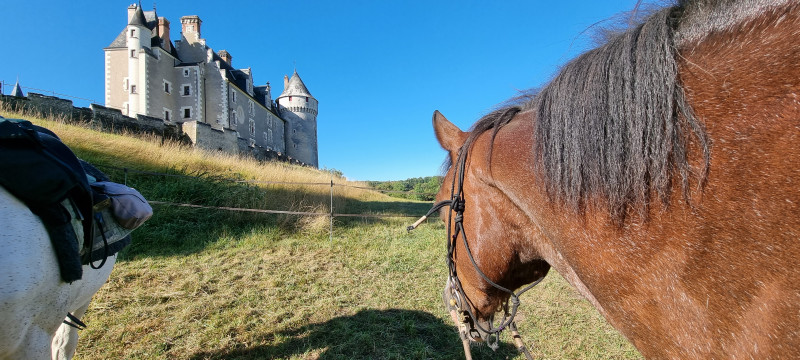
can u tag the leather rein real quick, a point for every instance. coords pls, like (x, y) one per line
(469, 327)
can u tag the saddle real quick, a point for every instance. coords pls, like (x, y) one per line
(45, 174)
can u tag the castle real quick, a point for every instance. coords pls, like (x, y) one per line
(216, 105)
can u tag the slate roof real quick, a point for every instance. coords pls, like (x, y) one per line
(151, 19)
(296, 87)
(237, 77)
(119, 42)
(261, 96)
(138, 17)
(148, 19)
(17, 91)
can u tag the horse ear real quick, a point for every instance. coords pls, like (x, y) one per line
(450, 136)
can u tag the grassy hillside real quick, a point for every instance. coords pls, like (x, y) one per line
(216, 284)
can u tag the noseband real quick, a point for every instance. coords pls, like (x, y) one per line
(455, 298)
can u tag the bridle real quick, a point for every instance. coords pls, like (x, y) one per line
(454, 296)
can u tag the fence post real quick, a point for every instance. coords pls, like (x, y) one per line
(331, 235)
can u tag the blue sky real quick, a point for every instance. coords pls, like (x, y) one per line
(378, 68)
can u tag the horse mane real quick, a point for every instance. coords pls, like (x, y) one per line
(628, 136)
(614, 126)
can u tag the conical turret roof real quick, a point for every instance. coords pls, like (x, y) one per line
(138, 17)
(296, 87)
(17, 91)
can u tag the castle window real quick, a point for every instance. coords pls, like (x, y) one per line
(126, 83)
(187, 90)
(290, 98)
(167, 87)
(166, 115)
(133, 53)
(233, 116)
(133, 32)
(133, 89)
(269, 136)
(251, 107)
(187, 113)
(252, 127)
(233, 95)
(306, 98)
(185, 72)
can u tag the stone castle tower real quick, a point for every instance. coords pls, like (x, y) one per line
(216, 105)
(299, 107)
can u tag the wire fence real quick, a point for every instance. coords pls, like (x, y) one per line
(8, 87)
(126, 171)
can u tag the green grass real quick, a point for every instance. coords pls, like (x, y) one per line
(214, 284)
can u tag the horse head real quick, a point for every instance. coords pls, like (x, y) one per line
(486, 230)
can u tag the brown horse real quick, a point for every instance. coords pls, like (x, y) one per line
(659, 174)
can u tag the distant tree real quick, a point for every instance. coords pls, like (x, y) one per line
(421, 188)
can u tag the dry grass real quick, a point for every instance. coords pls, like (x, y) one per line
(146, 152)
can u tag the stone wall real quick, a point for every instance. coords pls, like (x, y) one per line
(111, 120)
(40, 105)
(263, 154)
(206, 137)
(51, 106)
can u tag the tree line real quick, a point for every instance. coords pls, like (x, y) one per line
(420, 188)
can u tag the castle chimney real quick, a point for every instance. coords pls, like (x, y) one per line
(131, 11)
(285, 82)
(226, 56)
(163, 30)
(191, 25)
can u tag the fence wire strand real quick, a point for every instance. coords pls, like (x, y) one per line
(264, 211)
(263, 182)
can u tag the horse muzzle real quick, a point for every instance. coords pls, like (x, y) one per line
(455, 304)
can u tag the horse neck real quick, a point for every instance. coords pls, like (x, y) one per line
(512, 171)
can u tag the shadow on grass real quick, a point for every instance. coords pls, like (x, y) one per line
(369, 334)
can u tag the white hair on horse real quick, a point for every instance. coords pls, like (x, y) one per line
(34, 301)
